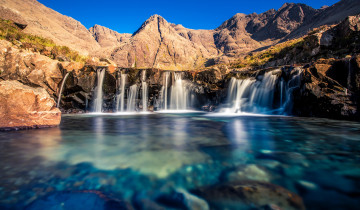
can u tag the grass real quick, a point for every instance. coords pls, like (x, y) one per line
(12, 33)
(273, 53)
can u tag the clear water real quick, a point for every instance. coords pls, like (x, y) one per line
(129, 156)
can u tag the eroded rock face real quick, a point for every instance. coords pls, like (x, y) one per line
(329, 89)
(22, 106)
(28, 67)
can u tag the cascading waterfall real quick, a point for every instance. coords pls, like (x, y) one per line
(61, 89)
(281, 92)
(179, 95)
(144, 90)
(164, 90)
(291, 85)
(132, 95)
(236, 93)
(348, 86)
(99, 90)
(120, 98)
(257, 95)
(262, 96)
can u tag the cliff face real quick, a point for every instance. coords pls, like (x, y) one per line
(45, 22)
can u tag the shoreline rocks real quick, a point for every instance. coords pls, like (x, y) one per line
(23, 107)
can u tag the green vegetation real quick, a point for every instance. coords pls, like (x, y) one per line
(12, 33)
(273, 53)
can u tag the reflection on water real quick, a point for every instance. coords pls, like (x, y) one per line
(131, 154)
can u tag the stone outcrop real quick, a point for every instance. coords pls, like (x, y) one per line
(330, 88)
(29, 68)
(22, 106)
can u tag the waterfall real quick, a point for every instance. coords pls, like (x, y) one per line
(236, 93)
(262, 96)
(281, 92)
(61, 89)
(291, 85)
(132, 94)
(179, 95)
(251, 95)
(164, 91)
(348, 80)
(120, 97)
(99, 90)
(144, 92)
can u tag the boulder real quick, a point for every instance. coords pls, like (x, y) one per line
(22, 106)
(249, 195)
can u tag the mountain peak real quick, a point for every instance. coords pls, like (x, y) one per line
(155, 16)
(155, 21)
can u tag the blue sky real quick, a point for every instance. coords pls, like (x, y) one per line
(127, 16)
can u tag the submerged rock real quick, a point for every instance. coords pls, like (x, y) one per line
(22, 106)
(183, 200)
(249, 195)
(250, 172)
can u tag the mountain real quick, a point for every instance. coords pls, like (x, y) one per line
(45, 22)
(328, 16)
(107, 37)
(158, 43)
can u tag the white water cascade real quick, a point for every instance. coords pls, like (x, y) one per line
(99, 90)
(180, 93)
(291, 85)
(132, 95)
(251, 95)
(258, 95)
(164, 91)
(144, 91)
(61, 89)
(120, 97)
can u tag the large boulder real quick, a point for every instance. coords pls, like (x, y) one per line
(22, 106)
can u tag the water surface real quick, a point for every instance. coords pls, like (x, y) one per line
(131, 156)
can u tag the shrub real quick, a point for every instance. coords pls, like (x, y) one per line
(12, 33)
